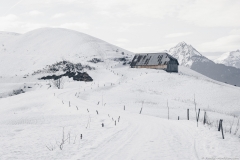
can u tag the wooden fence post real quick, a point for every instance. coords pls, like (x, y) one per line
(222, 129)
(168, 113)
(140, 111)
(198, 116)
(204, 119)
(187, 114)
(219, 126)
(178, 117)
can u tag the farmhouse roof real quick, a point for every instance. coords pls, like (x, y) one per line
(152, 59)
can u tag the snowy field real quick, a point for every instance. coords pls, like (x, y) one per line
(34, 123)
(101, 119)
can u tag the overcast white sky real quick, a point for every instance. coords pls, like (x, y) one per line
(211, 26)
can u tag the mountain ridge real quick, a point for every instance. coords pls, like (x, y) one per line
(189, 57)
(231, 58)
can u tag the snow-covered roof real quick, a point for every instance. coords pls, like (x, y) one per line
(152, 59)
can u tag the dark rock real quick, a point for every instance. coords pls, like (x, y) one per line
(77, 76)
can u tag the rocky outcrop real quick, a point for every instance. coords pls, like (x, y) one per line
(77, 76)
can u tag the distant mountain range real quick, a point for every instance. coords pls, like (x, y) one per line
(230, 59)
(22, 54)
(188, 56)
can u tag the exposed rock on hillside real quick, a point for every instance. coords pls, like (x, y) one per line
(77, 76)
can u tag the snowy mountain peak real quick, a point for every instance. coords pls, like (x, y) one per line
(186, 54)
(230, 59)
(237, 52)
(187, 48)
(182, 44)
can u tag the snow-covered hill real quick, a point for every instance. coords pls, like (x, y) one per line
(34, 50)
(230, 59)
(121, 114)
(5, 37)
(188, 56)
(34, 124)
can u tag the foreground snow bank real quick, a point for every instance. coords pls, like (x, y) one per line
(33, 124)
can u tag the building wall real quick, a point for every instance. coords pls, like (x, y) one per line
(172, 68)
(152, 66)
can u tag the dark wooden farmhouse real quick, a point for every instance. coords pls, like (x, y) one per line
(156, 61)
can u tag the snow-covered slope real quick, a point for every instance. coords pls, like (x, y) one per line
(33, 124)
(36, 49)
(5, 37)
(230, 59)
(121, 114)
(188, 56)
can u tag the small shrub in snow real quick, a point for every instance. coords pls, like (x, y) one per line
(50, 147)
(16, 92)
(19, 91)
(197, 112)
(58, 83)
(237, 127)
(64, 66)
(95, 60)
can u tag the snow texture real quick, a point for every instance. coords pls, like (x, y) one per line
(47, 46)
(34, 123)
(186, 54)
(230, 59)
(190, 57)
